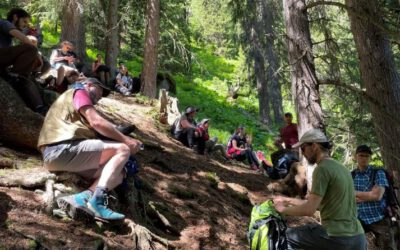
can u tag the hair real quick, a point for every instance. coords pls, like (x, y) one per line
(364, 149)
(288, 114)
(65, 43)
(17, 11)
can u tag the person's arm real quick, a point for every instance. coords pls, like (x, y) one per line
(20, 36)
(186, 124)
(107, 129)
(235, 146)
(375, 194)
(288, 201)
(94, 67)
(55, 58)
(306, 208)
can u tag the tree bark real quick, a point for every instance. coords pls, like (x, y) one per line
(275, 94)
(149, 71)
(379, 74)
(112, 46)
(19, 126)
(303, 76)
(73, 26)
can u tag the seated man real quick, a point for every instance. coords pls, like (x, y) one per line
(370, 185)
(23, 58)
(69, 143)
(333, 194)
(239, 148)
(210, 144)
(185, 130)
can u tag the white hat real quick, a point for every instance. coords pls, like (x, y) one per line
(312, 135)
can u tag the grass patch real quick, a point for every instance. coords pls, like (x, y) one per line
(241, 197)
(213, 179)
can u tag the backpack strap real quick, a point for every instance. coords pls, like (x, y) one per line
(257, 224)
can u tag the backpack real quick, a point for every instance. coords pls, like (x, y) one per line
(267, 229)
(173, 126)
(281, 162)
(392, 202)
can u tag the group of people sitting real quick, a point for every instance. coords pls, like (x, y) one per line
(34, 76)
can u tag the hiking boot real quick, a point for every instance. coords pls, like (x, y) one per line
(98, 204)
(75, 205)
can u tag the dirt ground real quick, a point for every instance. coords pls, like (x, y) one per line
(208, 202)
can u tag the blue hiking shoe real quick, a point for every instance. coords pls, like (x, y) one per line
(99, 207)
(75, 205)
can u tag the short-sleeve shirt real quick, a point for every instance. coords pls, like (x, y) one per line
(333, 182)
(370, 211)
(184, 116)
(81, 99)
(5, 37)
(290, 135)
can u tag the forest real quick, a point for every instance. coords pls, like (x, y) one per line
(333, 64)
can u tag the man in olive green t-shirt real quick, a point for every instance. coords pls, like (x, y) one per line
(333, 194)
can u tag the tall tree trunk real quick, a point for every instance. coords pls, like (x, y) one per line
(19, 126)
(303, 76)
(112, 46)
(379, 74)
(275, 94)
(73, 26)
(149, 71)
(255, 23)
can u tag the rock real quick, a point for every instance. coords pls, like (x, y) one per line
(27, 178)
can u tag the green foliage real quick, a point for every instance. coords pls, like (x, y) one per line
(213, 179)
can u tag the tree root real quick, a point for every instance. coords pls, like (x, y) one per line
(143, 239)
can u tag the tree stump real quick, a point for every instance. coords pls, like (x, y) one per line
(169, 110)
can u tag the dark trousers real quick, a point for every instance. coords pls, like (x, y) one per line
(386, 235)
(314, 237)
(188, 138)
(248, 155)
(22, 58)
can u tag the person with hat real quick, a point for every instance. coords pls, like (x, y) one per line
(210, 143)
(69, 143)
(332, 192)
(370, 185)
(185, 130)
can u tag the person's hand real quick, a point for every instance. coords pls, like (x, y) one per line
(280, 207)
(280, 199)
(133, 144)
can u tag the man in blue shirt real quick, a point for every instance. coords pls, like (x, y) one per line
(370, 185)
(22, 58)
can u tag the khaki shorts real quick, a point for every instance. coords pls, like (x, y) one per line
(81, 157)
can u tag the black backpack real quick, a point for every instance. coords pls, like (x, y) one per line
(393, 205)
(282, 161)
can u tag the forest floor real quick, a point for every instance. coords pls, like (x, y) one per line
(208, 202)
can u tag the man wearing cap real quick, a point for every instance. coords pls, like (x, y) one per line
(185, 130)
(332, 193)
(68, 143)
(370, 185)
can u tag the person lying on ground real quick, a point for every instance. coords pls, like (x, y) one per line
(69, 143)
(21, 59)
(100, 70)
(239, 148)
(210, 143)
(370, 185)
(332, 192)
(185, 130)
(124, 83)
